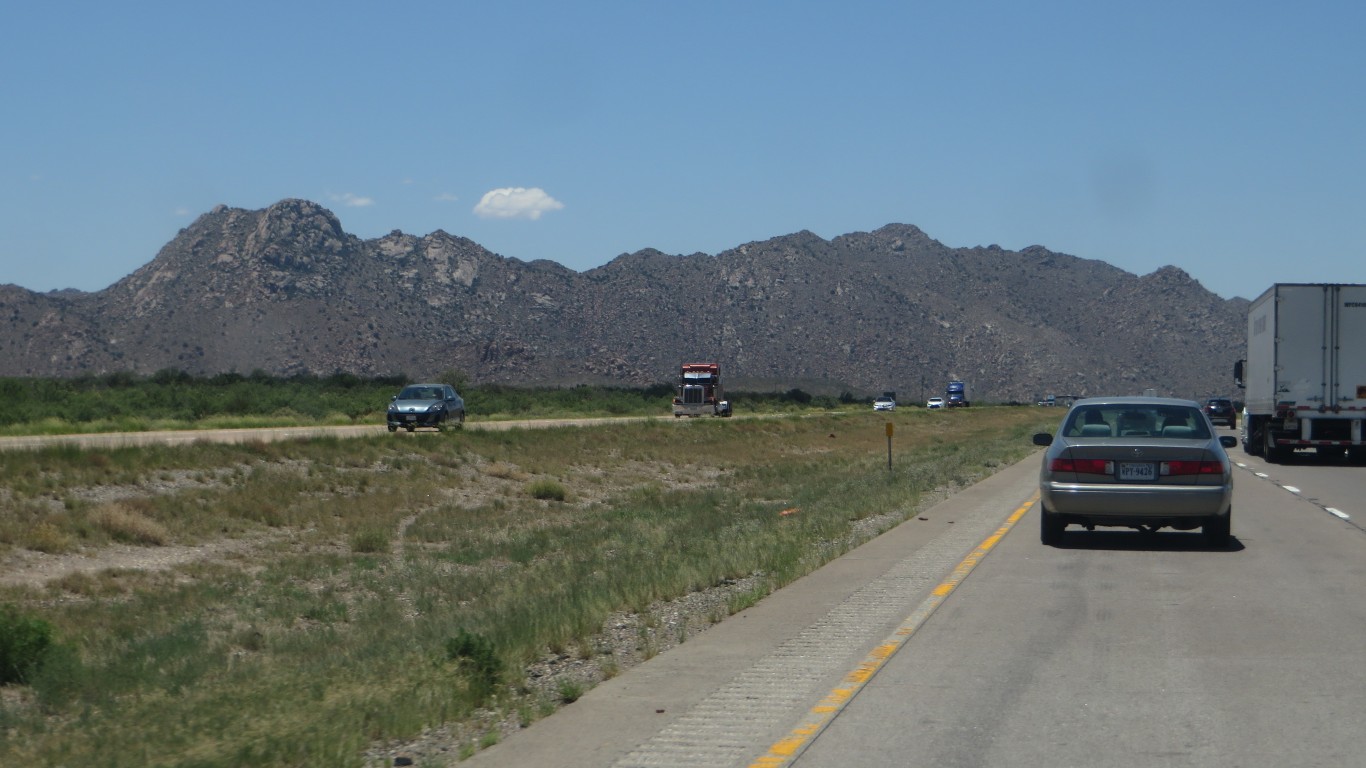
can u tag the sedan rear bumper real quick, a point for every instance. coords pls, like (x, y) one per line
(1120, 504)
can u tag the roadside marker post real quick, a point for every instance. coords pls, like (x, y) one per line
(889, 446)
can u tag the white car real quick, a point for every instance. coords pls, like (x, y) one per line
(884, 403)
(935, 402)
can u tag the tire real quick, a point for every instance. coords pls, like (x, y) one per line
(1051, 527)
(1255, 444)
(461, 420)
(410, 427)
(1216, 530)
(393, 428)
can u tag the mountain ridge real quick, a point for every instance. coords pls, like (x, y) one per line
(286, 290)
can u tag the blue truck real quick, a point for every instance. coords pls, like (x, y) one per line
(956, 395)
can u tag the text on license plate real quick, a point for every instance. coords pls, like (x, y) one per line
(1137, 470)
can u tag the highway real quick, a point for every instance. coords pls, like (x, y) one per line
(957, 639)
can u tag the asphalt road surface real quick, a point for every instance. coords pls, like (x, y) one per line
(1118, 649)
(959, 640)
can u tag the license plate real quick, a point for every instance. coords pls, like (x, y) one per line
(1137, 471)
(411, 417)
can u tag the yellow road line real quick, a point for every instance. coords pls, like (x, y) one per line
(789, 747)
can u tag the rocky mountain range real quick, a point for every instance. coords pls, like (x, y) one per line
(284, 290)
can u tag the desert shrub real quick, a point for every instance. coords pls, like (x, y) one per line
(547, 490)
(46, 537)
(24, 642)
(128, 525)
(478, 660)
(570, 691)
(370, 541)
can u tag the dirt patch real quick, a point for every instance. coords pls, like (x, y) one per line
(25, 568)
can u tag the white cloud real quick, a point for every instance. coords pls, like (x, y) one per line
(352, 201)
(516, 203)
(446, 197)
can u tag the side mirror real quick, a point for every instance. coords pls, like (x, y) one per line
(1238, 374)
(1228, 441)
(1045, 438)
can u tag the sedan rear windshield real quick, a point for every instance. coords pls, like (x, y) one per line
(1176, 422)
(421, 393)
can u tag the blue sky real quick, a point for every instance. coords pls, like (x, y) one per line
(1226, 138)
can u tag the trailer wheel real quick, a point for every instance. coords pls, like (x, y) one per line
(1275, 454)
(1255, 444)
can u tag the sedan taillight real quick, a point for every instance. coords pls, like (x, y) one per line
(1085, 466)
(1191, 468)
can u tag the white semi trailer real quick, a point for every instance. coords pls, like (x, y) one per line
(1305, 371)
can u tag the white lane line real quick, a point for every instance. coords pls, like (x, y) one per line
(1292, 489)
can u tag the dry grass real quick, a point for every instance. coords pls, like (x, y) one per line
(321, 631)
(125, 524)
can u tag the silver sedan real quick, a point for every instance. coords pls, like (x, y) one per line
(1136, 462)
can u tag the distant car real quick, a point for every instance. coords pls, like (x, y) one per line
(935, 402)
(1220, 411)
(426, 405)
(1136, 462)
(884, 403)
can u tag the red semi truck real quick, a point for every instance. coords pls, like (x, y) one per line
(699, 391)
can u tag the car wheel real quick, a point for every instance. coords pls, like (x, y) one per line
(409, 427)
(1216, 529)
(393, 428)
(461, 420)
(1051, 526)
